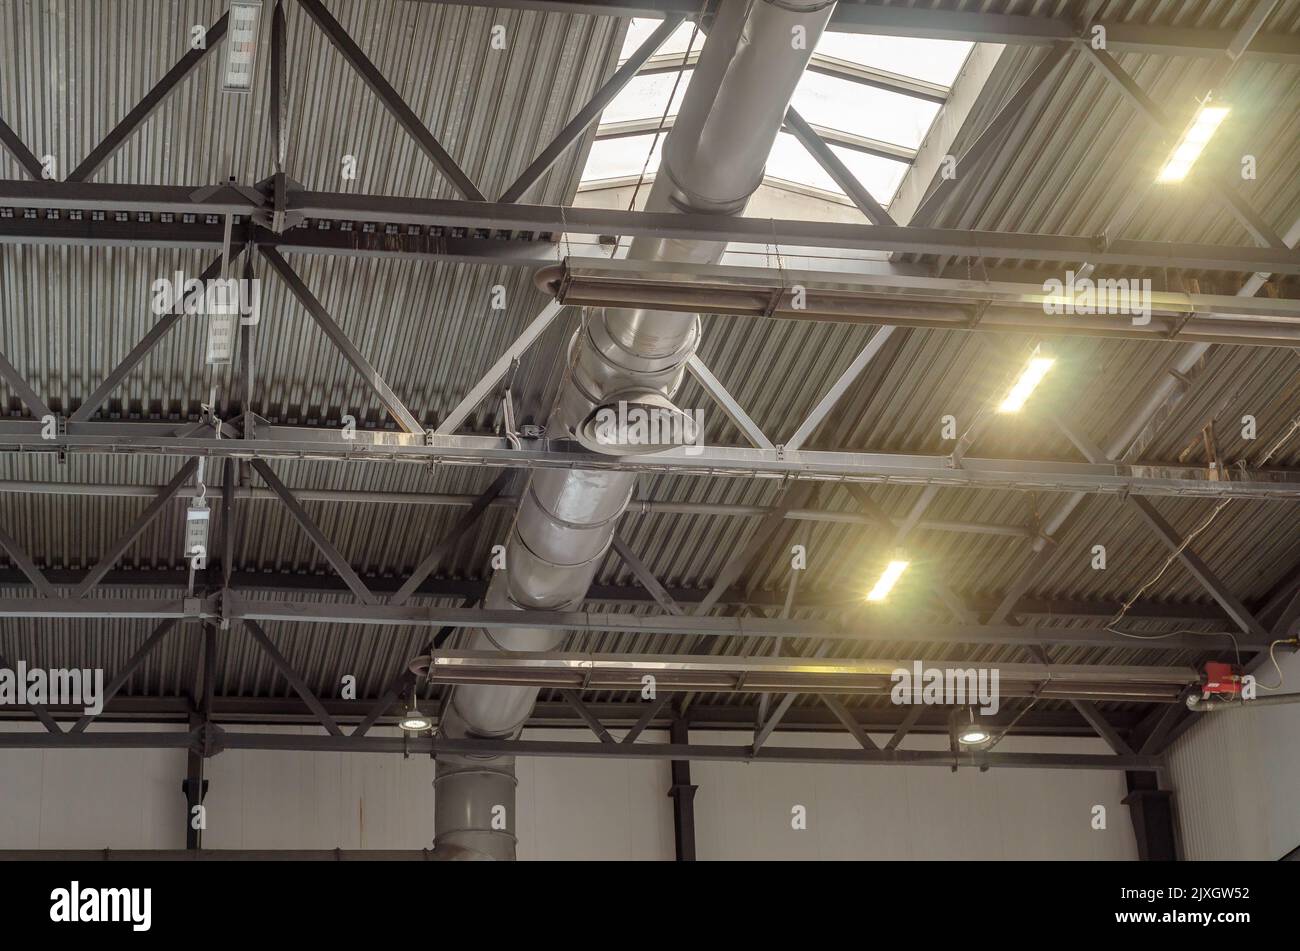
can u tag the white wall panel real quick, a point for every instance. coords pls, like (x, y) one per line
(743, 811)
(1236, 774)
(569, 808)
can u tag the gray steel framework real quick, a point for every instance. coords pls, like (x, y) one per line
(76, 212)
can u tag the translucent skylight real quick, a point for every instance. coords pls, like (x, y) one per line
(935, 61)
(864, 110)
(827, 101)
(641, 28)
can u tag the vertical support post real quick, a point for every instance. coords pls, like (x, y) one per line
(682, 793)
(1152, 811)
(195, 786)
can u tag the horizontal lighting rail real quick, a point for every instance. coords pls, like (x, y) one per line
(907, 301)
(792, 675)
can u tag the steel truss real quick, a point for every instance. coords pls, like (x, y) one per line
(279, 442)
(278, 215)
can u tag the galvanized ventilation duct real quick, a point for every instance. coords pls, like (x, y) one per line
(713, 161)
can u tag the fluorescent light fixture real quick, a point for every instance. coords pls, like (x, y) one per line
(414, 721)
(196, 532)
(1193, 142)
(241, 45)
(888, 578)
(1030, 377)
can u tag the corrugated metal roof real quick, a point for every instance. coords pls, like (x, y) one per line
(71, 69)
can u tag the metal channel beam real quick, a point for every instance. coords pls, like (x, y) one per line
(837, 170)
(308, 525)
(861, 628)
(727, 402)
(495, 216)
(867, 467)
(369, 374)
(22, 389)
(591, 111)
(186, 65)
(11, 143)
(137, 353)
(642, 751)
(145, 519)
(942, 23)
(391, 99)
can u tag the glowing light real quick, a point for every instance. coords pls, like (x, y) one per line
(1193, 142)
(888, 578)
(1029, 379)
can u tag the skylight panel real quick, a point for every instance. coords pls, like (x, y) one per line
(791, 162)
(864, 110)
(835, 103)
(622, 157)
(935, 61)
(641, 28)
(645, 98)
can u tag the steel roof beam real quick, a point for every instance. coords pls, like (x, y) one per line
(1054, 58)
(295, 679)
(38, 710)
(154, 98)
(496, 373)
(292, 583)
(392, 100)
(643, 574)
(308, 525)
(12, 144)
(274, 442)
(495, 216)
(233, 607)
(24, 563)
(510, 501)
(1218, 187)
(355, 358)
(137, 353)
(151, 512)
(837, 170)
(962, 25)
(1177, 545)
(591, 111)
(650, 751)
(449, 541)
(124, 673)
(22, 389)
(727, 403)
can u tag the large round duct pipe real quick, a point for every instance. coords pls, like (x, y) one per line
(713, 161)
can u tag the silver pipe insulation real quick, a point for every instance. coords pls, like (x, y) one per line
(713, 161)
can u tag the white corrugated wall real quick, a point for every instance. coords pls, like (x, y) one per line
(1236, 775)
(571, 808)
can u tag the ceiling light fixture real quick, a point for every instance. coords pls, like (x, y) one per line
(888, 578)
(1195, 138)
(413, 721)
(241, 45)
(968, 730)
(1030, 377)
